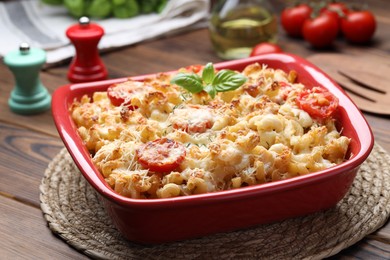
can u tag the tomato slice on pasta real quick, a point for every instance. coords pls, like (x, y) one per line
(122, 94)
(318, 102)
(194, 68)
(285, 89)
(161, 155)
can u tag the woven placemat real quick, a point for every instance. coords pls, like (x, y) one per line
(73, 212)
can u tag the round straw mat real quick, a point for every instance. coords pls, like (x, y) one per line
(73, 212)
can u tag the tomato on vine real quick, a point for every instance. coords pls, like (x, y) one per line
(293, 18)
(321, 31)
(264, 48)
(358, 26)
(337, 9)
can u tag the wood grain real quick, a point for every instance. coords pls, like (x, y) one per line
(359, 79)
(373, 250)
(25, 235)
(24, 156)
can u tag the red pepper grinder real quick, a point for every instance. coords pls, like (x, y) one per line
(86, 64)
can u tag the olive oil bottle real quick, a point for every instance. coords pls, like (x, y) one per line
(237, 25)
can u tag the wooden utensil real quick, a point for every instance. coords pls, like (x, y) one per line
(365, 78)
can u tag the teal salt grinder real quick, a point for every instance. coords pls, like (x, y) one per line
(29, 96)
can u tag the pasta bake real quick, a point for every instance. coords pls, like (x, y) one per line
(155, 139)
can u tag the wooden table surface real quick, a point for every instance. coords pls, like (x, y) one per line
(28, 143)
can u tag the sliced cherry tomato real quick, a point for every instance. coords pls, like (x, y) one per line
(161, 155)
(265, 47)
(318, 102)
(122, 93)
(285, 89)
(358, 26)
(292, 19)
(194, 68)
(321, 31)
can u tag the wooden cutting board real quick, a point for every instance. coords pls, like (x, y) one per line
(365, 77)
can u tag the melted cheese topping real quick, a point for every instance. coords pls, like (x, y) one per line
(192, 119)
(252, 135)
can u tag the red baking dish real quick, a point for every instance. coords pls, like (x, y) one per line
(164, 220)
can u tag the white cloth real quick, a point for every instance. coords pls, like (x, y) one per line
(44, 26)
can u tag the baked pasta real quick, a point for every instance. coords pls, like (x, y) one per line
(154, 139)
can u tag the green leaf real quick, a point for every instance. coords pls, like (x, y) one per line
(227, 80)
(191, 82)
(125, 9)
(210, 82)
(118, 2)
(160, 7)
(53, 2)
(99, 8)
(148, 6)
(211, 90)
(75, 7)
(208, 73)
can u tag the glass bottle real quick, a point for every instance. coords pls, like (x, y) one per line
(237, 25)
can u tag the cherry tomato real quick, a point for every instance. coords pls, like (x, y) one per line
(194, 68)
(265, 47)
(318, 102)
(320, 31)
(121, 94)
(161, 155)
(292, 19)
(358, 26)
(337, 9)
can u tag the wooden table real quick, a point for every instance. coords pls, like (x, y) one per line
(28, 143)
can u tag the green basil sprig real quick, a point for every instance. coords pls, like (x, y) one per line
(224, 80)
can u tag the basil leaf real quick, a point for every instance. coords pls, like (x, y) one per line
(210, 82)
(226, 80)
(208, 73)
(191, 82)
(211, 90)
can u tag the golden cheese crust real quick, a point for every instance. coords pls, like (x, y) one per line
(252, 135)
